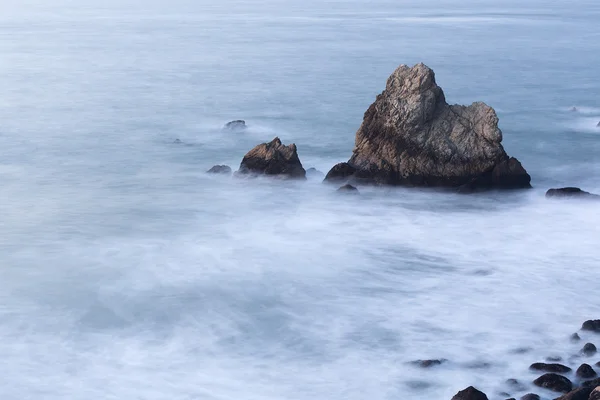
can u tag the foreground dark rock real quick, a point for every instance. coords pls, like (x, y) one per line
(411, 136)
(591, 325)
(555, 382)
(559, 368)
(350, 189)
(570, 192)
(577, 394)
(589, 349)
(237, 125)
(595, 395)
(273, 158)
(220, 169)
(470, 393)
(585, 371)
(592, 383)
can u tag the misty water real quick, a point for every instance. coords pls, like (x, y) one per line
(129, 273)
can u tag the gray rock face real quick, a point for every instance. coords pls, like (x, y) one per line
(411, 136)
(273, 158)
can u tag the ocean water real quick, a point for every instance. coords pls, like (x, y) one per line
(129, 273)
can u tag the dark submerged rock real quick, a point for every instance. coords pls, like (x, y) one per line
(177, 141)
(237, 125)
(585, 371)
(570, 192)
(530, 396)
(273, 158)
(577, 394)
(591, 325)
(559, 368)
(427, 363)
(595, 395)
(349, 189)
(515, 385)
(575, 337)
(220, 169)
(314, 173)
(470, 393)
(340, 172)
(411, 136)
(589, 349)
(555, 382)
(598, 124)
(554, 359)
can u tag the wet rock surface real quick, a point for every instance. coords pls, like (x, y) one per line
(530, 396)
(559, 368)
(586, 371)
(577, 394)
(554, 382)
(411, 136)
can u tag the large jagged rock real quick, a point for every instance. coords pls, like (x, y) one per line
(411, 136)
(273, 158)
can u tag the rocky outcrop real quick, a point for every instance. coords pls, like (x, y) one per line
(595, 395)
(411, 136)
(570, 192)
(428, 363)
(273, 159)
(555, 382)
(237, 125)
(220, 169)
(470, 393)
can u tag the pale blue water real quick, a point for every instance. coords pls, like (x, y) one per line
(127, 273)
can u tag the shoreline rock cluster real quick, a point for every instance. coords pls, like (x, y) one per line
(584, 383)
(410, 136)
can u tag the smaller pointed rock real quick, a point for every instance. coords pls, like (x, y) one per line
(575, 337)
(274, 159)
